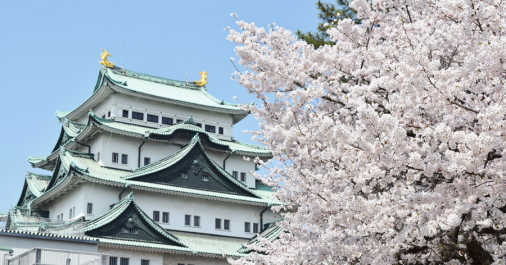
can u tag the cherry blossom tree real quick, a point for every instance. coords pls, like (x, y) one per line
(392, 141)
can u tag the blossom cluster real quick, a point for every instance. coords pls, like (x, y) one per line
(391, 143)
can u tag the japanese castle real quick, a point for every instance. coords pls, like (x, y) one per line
(145, 171)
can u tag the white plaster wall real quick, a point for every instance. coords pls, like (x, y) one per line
(237, 163)
(123, 102)
(64, 203)
(208, 210)
(101, 196)
(135, 256)
(175, 259)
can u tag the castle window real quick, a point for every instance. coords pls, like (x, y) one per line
(108, 114)
(89, 208)
(220, 130)
(124, 261)
(178, 121)
(226, 224)
(184, 175)
(147, 161)
(125, 113)
(210, 128)
(126, 230)
(144, 262)
(115, 157)
(187, 219)
(199, 125)
(168, 121)
(98, 156)
(156, 216)
(165, 217)
(235, 174)
(113, 260)
(137, 115)
(124, 159)
(243, 176)
(255, 228)
(247, 227)
(205, 178)
(196, 220)
(152, 118)
(217, 223)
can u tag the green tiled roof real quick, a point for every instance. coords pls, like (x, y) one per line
(118, 209)
(157, 88)
(271, 233)
(141, 244)
(37, 182)
(209, 244)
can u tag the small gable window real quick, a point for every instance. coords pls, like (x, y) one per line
(125, 113)
(205, 178)
(152, 118)
(124, 261)
(126, 230)
(165, 217)
(115, 157)
(210, 128)
(137, 115)
(184, 175)
(168, 121)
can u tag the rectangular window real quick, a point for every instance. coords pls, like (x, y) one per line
(196, 220)
(137, 115)
(226, 224)
(73, 212)
(235, 174)
(152, 118)
(156, 216)
(108, 114)
(70, 213)
(89, 208)
(210, 128)
(98, 156)
(165, 217)
(205, 178)
(115, 157)
(113, 260)
(187, 219)
(243, 176)
(168, 121)
(247, 227)
(124, 261)
(199, 125)
(125, 113)
(144, 262)
(217, 223)
(255, 228)
(220, 130)
(178, 121)
(184, 175)
(124, 159)
(147, 161)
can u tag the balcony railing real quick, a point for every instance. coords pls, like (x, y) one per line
(44, 256)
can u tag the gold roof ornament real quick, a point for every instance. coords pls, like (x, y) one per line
(203, 79)
(104, 61)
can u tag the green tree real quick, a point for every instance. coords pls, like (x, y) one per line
(330, 15)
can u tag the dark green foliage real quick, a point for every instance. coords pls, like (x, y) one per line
(328, 13)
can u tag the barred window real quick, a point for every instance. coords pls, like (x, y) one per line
(226, 224)
(184, 175)
(89, 208)
(137, 115)
(187, 219)
(205, 178)
(168, 121)
(220, 130)
(125, 113)
(115, 157)
(235, 174)
(124, 159)
(217, 224)
(156, 216)
(255, 228)
(247, 227)
(144, 262)
(210, 128)
(113, 260)
(124, 261)
(147, 161)
(243, 176)
(153, 118)
(165, 217)
(126, 230)
(196, 220)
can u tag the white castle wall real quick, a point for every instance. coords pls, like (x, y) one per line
(135, 256)
(175, 259)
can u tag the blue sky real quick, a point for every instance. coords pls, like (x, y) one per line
(49, 53)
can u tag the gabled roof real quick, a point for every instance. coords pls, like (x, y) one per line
(271, 233)
(193, 160)
(154, 88)
(127, 215)
(34, 186)
(87, 168)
